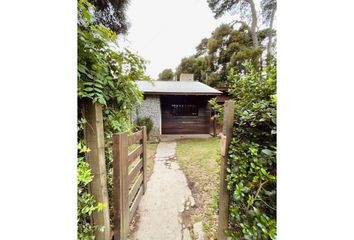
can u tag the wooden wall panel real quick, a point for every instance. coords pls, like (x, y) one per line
(185, 124)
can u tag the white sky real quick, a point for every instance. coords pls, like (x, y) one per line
(165, 31)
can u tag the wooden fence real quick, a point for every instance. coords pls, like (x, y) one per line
(129, 179)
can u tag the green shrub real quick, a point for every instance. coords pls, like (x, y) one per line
(252, 155)
(145, 121)
(217, 109)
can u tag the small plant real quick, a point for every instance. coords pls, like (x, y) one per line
(145, 121)
(217, 109)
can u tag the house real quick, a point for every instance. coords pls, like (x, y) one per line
(176, 107)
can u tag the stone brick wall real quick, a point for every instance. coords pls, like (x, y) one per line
(186, 77)
(151, 108)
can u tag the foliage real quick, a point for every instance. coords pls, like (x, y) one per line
(252, 156)
(145, 121)
(111, 14)
(86, 204)
(247, 15)
(268, 6)
(229, 48)
(106, 75)
(217, 109)
(195, 65)
(225, 49)
(202, 47)
(166, 74)
(246, 9)
(219, 7)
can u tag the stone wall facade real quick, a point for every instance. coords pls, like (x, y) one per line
(151, 107)
(186, 77)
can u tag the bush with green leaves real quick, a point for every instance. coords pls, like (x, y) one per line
(145, 121)
(106, 75)
(252, 155)
(218, 110)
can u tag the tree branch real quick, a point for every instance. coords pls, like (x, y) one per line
(258, 199)
(243, 24)
(254, 23)
(258, 190)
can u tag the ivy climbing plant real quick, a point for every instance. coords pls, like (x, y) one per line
(252, 156)
(106, 74)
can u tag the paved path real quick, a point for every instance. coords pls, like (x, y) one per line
(166, 198)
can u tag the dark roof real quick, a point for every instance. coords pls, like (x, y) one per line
(176, 88)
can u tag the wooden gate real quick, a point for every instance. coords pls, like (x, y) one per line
(129, 179)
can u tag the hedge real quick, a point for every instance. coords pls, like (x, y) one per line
(252, 156)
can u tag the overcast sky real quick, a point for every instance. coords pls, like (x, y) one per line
(165, 31)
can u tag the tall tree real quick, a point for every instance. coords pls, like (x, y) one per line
(202, 47)
(244, 7)
(194, 65)
(269, 8)
(166, 74)
(111, 13)
(226, 48)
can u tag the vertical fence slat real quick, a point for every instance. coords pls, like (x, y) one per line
(144, 158)
(229, 108)
(120, 186)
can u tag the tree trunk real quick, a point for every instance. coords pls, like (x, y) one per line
(254, 23)
(269, 45)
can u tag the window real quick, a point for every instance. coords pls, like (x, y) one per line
(184, 110)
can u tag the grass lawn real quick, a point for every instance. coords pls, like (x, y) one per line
(199, 160)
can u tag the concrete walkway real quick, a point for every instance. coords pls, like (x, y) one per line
(165, 201)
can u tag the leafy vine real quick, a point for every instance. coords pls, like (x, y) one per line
(252, 155)
(105, 74)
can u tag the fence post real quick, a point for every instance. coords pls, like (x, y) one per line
(120, 186)
(94, 138)
(144, 159)
(229, 108)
